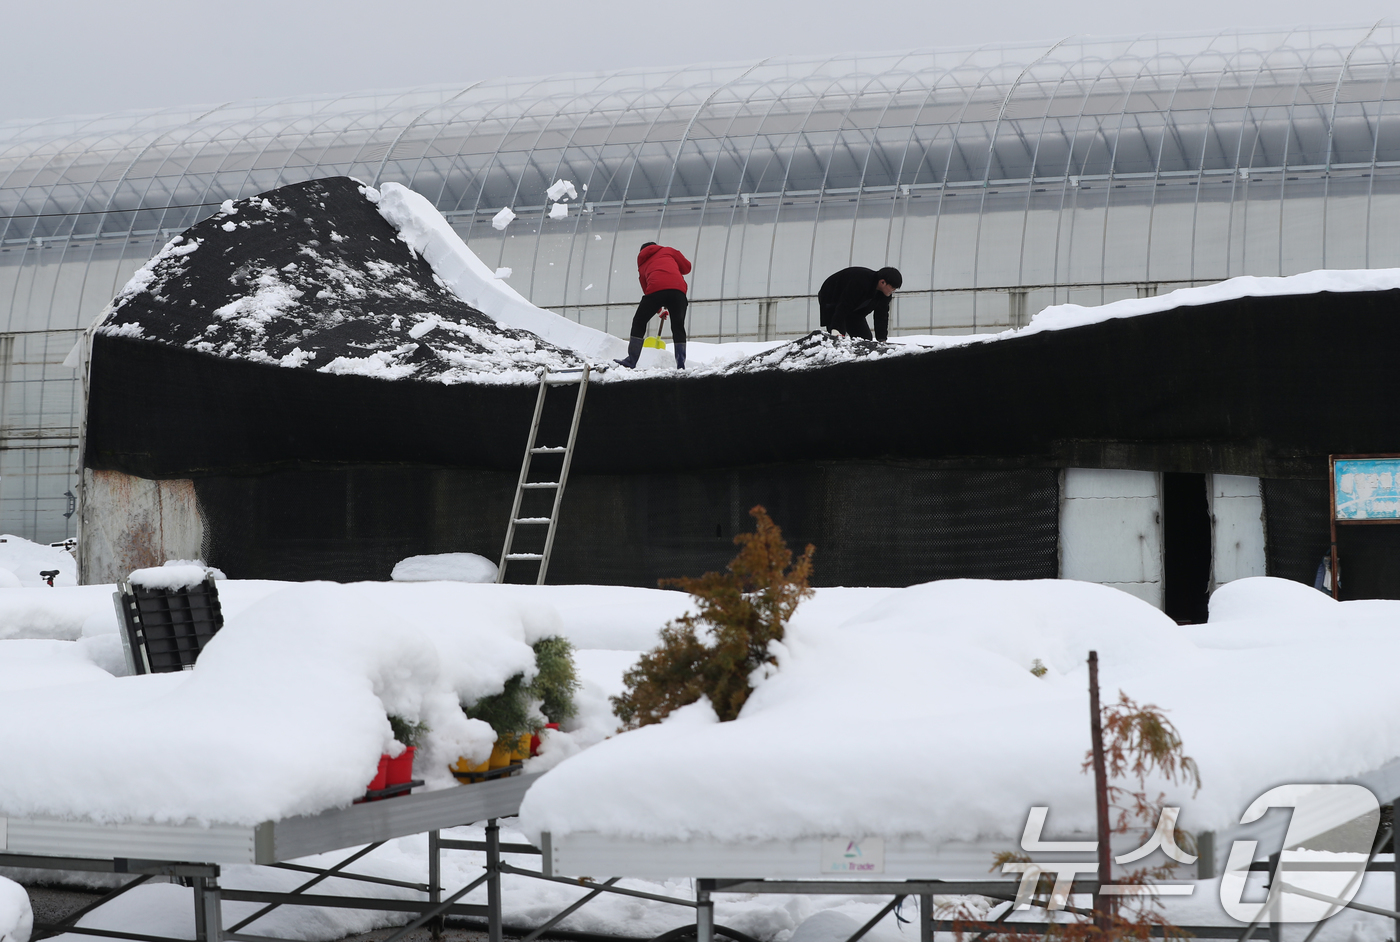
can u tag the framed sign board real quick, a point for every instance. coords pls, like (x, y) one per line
(1365, 489)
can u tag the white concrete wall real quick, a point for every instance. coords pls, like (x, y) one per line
(131, 523)
(1111, 530)
(1237, 527)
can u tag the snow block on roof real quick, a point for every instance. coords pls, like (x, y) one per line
(312, 276)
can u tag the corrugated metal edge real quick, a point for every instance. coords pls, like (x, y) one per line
(397, 817)
(218, 843)
(595, 854)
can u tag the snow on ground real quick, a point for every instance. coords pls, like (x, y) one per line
(16, 918)
(25, 560)
(930, 679)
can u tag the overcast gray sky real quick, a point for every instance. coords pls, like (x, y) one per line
(86, 56)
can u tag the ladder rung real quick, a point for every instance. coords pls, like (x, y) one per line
(549, 450)
(571, 381)
(514, 556)
(539, 484)
(532, 520)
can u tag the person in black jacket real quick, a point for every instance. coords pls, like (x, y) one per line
(850, 294)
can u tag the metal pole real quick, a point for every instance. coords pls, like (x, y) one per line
(208, 913)
(435, 880)
(1395, 848)
(704, 912)
(926, 917)
(1275, 898)
(493, 881)
(1102, 903)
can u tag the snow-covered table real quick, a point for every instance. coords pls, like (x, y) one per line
(193, 852)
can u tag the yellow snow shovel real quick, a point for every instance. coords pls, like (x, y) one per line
(656, 343)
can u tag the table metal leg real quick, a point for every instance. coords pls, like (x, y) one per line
(704, 912)
(208, 910)
(435, 880)
(493, 881)
(925, 917)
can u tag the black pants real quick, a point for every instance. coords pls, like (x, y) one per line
(672, 300)
(853, 325)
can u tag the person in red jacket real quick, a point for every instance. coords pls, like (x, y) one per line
(659, 268)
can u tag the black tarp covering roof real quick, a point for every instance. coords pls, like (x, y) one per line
(1263, 386)
(311, 277)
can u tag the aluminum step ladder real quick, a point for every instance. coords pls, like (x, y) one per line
(578, 377)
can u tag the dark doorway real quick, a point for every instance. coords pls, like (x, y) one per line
(1186, 549)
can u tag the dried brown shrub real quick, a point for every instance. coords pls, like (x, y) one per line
(714, 653)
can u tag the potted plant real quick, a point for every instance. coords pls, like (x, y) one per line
(400, 767)
(518, 712)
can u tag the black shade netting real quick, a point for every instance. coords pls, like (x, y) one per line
(1296, 529)
(873, 523)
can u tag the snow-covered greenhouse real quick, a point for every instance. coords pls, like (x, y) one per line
(999, 179)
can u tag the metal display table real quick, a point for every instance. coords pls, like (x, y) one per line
(194, 853)
(908, 867)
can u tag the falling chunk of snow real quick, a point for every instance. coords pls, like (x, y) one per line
(297, 357)
(267, 206)
(597, 238)
(560, 189)
(590, 285)
(290, 266)
(503, 273)
(227, 207)
(558, 210)
(423, 327)
(229, 227)
(336, 236)
(502, 219)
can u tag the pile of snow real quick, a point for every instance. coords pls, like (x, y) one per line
(936, 677)
(445, 567)
(24, 560)
(285, 712)
(174, 574)
(16, 917)
(310, 276)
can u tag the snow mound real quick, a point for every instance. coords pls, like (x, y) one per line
(16, 916)
(26, 559)
(285, 712)
(8, 580)
(939, 675)
(424, 229)
(825, 926)
(447, 567)
(310, 276)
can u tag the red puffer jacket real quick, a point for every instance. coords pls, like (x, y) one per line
(660, 267)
